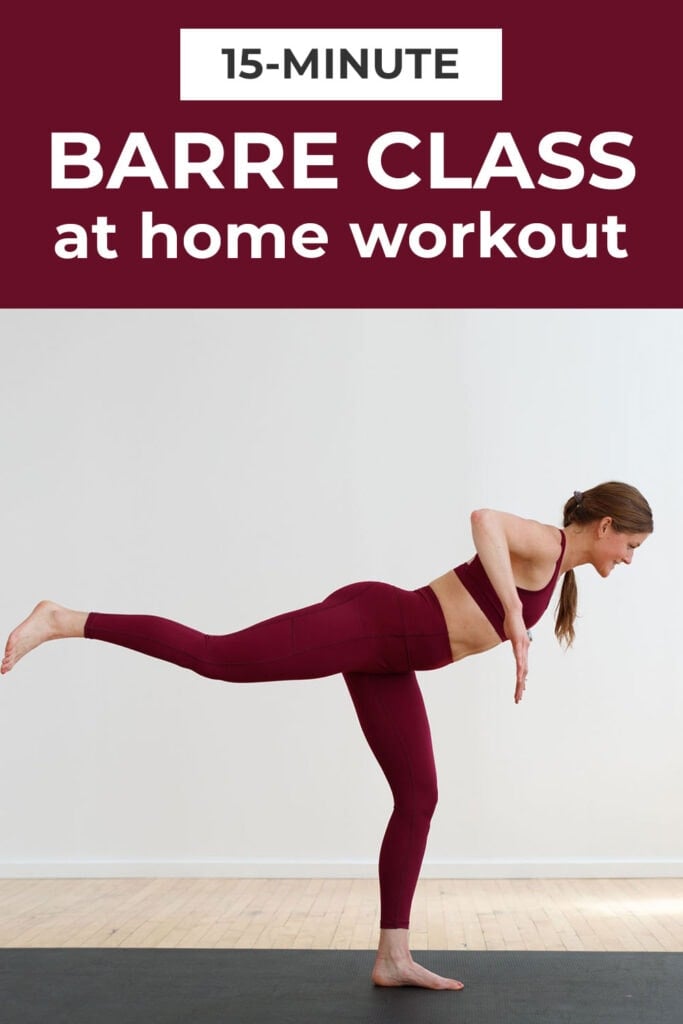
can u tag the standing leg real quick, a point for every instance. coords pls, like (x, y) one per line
(394, 721)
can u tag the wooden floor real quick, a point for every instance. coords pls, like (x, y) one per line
(552, 914)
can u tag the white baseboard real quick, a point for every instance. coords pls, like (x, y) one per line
(339, 869)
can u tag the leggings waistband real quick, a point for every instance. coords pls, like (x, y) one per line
(427, 639)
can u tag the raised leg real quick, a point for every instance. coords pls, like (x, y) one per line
(349, 629)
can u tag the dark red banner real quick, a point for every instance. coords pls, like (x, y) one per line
(562, 193)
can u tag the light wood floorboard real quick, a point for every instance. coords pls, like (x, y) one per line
(526, 914)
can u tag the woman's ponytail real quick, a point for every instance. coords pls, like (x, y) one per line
(566, 610)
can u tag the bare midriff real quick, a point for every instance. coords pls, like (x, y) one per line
(469, 631)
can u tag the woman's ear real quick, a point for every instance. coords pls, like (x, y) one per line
(604, 525)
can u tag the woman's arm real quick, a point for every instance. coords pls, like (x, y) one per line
(498, 536)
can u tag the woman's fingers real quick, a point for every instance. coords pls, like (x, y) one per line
(515, 629)
(521, 652)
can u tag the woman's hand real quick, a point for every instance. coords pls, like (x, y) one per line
(516, 632)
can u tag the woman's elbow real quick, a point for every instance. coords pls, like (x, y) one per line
(481, 516)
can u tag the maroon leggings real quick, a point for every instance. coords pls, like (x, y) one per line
(376, 635)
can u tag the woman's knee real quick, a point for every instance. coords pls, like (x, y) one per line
(429, 798)
(419, 800)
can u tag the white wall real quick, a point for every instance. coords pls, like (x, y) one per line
(221, 466)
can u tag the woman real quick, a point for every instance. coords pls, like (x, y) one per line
(378, 635)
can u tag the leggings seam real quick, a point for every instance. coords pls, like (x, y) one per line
(405, 636)
(103, 633)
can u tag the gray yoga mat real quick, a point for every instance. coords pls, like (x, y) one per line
(195, 986)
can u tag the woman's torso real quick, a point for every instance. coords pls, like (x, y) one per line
(469, 629)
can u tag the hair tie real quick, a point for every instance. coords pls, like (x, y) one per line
(578, 497)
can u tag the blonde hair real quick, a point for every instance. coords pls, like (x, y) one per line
(629, 512)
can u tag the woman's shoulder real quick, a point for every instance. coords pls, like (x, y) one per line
(527, 538)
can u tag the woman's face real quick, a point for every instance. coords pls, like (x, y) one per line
(614, 548)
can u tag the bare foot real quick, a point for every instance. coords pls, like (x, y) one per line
(46, 622)
(393, 973)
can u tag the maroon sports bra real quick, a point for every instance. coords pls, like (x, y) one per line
(534, 602)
